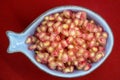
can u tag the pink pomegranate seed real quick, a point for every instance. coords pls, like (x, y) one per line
(50, 30)
(46, 43)
(64, 43)
(69, 40)
(52, 65)
(65, 33)
(55, 53)
(50, 24)
(100, 29)
(64, 58)
(51, 58)
(76, 21)
(67, 13)
(65, 26)
(78, 15)
(50, 49)
(28, 40)
(87, 67)
(52, 37)
(90, 36)
(32, 47)
(66, 70)
(57, 38)
(104, 34)
(102, 40)
(43, 28)
(72, 32)
(83, 16)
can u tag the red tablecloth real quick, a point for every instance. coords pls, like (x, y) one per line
(16, 15)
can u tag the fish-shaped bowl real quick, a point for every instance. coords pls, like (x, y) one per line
(17, 41)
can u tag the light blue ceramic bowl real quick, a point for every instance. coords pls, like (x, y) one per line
(17, 41)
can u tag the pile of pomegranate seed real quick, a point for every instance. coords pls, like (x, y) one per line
(68, 41)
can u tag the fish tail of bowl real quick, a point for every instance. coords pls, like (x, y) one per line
(16, 42)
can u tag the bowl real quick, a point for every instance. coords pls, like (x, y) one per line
(17, 41)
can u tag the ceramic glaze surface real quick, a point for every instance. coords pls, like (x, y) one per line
(17, 41)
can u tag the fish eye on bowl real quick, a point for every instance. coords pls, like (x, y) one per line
(67, 41)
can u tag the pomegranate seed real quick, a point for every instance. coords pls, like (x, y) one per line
(56, 15)
(83, 16)
(75, 62)
(85, 23)
(51, 58)
(102, 40)
(71, 68)
(86, 54)
(78, 33)
(64, 58)
(60, 65)
(55, 53)
(43, 28)
(58, 30)
(72, 58)
(59, 18)
(92, 43)
(51, 17)
(28, 40)
(39, 48)
(54, 44)
(72, 25)
(80, 41)
(44, 22)
(38, 29)
(50, 49)
(72, 33)
(69, 40)
(52, 65)
(87, 67)
(70, 53)
(65, 33)
(100, 29)
(90, 36)
(37, 58)
(104, 34)
(59, 47)
(98, 57)
(46, 43)
(76, 21)
(50, 30)
(46, 18)
(66, 70)
(64, 43)
(95, 49)
(97, 34)
(70, 46)
(52, 37)
(84, 46)
(32, 47)
(80, 23)
(68, 21)
(92, 55)
(78, 15)
(67, 13)
(81, 66)
(101, 48)
(50, 24)
(60, 56)
(65, 26)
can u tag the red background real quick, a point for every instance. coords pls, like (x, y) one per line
(16, 15)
